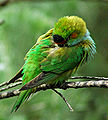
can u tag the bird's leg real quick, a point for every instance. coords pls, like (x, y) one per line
(69, 106)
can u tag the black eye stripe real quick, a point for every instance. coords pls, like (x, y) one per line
(58, 38)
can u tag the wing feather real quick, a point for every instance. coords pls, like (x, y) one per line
(60, 70)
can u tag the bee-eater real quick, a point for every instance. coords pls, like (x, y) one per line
(56, 56)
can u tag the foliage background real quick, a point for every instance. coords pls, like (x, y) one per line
(25, 21)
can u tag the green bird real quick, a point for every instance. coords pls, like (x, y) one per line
(56, 56)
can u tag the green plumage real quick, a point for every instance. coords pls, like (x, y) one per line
(53, 62)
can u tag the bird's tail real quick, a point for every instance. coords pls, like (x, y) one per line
(21, 98)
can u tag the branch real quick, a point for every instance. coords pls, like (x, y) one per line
(6, 83)
(66, 85)
(75, 77)
(10, 86)
(89, 77)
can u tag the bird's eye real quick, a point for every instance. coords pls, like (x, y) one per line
(74, 35)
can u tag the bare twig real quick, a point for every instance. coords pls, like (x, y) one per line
(75, 77)
(66, 85)
(77, 84)
(69, 106)
(10, 86)
(9, 94)
(6, 83)
(89, 78)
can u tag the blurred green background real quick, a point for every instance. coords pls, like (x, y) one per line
(24, 23)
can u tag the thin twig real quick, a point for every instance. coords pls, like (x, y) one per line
(99, 81)
(9, 94)
(89, 78)
(19, 80)
(10, 86)
(5, 83)
(75, 77)
(69, 106)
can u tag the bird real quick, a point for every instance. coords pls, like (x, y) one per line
(55, 57)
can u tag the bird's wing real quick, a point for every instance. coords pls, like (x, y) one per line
(56, 64)
(61, 59)
(20, 73)
(31, 68)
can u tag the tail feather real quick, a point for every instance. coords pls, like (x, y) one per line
(22, 97)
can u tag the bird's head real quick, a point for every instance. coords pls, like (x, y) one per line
(69, 31)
